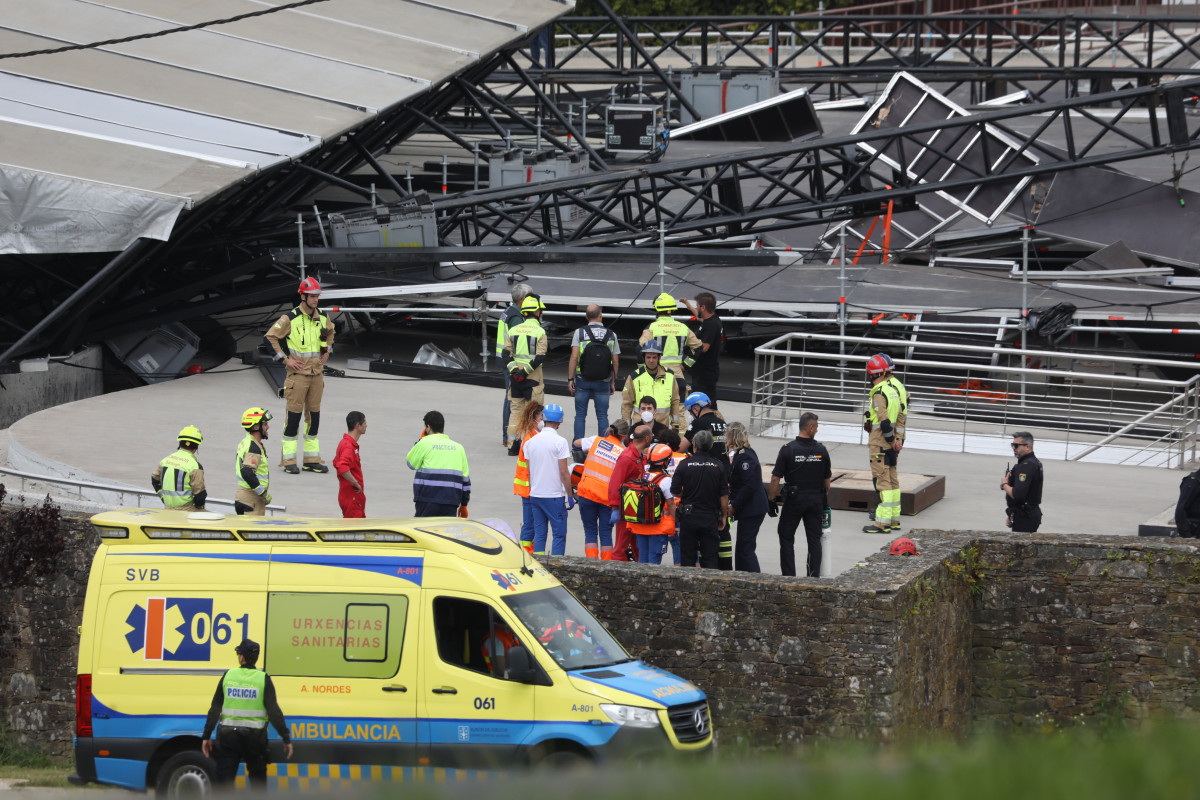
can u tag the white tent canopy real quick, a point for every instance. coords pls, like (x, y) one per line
(105, 145)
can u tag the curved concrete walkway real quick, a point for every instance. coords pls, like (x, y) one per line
(120, 437)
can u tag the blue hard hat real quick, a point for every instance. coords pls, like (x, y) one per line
(552, 413)
(653, 346)
(697, 398)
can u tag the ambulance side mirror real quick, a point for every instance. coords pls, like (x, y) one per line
(520, 665)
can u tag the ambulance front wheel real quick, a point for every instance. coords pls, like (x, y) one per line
(561, 761)
(186, 775)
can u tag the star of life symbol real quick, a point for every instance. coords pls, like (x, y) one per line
(464, 733)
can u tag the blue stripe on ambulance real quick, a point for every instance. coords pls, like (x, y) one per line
(406, 568)
(643, 680)
(515, 732)
(109, 723)
(391, 566)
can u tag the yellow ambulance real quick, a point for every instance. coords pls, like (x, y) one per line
(400, 649)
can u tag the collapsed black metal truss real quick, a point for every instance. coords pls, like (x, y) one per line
(216, 259)
(813, 182)
(1050, 55)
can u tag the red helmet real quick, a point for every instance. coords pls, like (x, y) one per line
(309, 286)
(878, 365)
(904, 547)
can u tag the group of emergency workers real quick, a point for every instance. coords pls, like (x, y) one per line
(667, 436)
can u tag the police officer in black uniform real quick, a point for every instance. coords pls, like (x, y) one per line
(1022, 486)
(1187, 508)
(243, 705)
(704, 418)
(701, 488)
(804, 462)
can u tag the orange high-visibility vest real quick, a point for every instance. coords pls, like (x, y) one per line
(521, 476)
(598, 468)
(665, 526)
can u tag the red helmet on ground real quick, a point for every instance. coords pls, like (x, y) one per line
(878, 365)
(904, 547)
(309, 286)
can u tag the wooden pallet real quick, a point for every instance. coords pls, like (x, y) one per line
(852, 490)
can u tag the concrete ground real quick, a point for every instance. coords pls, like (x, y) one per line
(120, 437)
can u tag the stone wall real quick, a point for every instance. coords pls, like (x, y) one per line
(998, 630)
(877, 652)
(37, 676)
(1086, 626)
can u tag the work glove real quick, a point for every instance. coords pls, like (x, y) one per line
(570, 502)
(266, 498)
(615, 517)
(867, 424)
(773, 508)
(462, 511)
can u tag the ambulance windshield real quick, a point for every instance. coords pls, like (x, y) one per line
(568, 631)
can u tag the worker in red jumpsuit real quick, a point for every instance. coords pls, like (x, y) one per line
(348, 466)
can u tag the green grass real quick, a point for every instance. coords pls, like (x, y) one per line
(28, 764)
(1159, 762)
(54, 776)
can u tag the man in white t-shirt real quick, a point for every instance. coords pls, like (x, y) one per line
(550, 490)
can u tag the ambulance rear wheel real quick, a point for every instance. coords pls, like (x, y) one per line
(186, 775)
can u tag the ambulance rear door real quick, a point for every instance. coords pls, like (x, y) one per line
(170, 619)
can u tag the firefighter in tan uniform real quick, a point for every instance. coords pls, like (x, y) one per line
(652, 379)
(179, 478)
(307, 335)
(525, 348)
(886, 415)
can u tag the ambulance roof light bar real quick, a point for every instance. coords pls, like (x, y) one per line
(275, 536)
(186, 533)
(366, 536)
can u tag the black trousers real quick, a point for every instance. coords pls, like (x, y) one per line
(707, 383)
(805, 507)
(745, 555)
(235, 745)
(1026, 520)
(426, 509)
(698, 530)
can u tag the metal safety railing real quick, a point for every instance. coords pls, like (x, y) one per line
(119, 493)
(967, 398)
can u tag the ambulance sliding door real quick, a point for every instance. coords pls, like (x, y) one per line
(342, 651)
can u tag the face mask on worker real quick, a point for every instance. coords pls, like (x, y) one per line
(647, 416)
(691, 417)
(541, 424)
